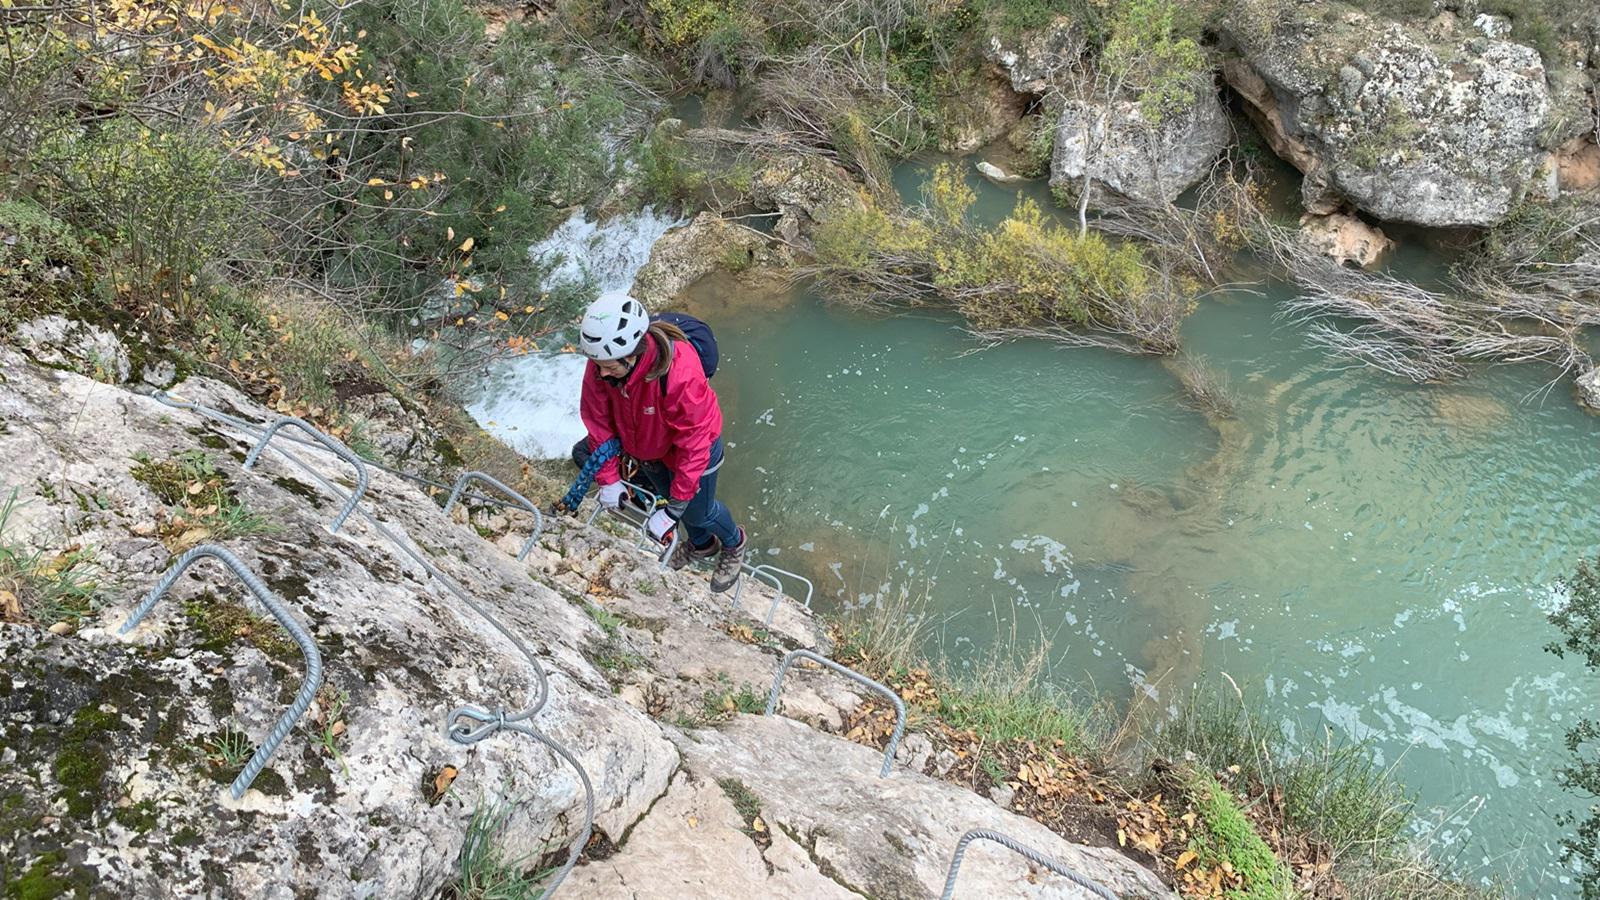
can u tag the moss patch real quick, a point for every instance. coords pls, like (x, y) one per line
(81, 765)
(41, 882)
(221, 622)
(139, 817)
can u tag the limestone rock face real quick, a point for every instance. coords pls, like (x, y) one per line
(115, 738)
(1038, 60)
(695, 843)
(1578, 165)
(1126, 154)
(116, 751)
(402, 436)
(1345, 238)
(690, 252)
(83, 348)
(893, 837)
(1439, 124)
(802, 189)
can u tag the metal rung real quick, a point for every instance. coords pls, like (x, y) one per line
(524, 502)
(899, 707)
(264, 595)
(1020, 848)
(338, 449)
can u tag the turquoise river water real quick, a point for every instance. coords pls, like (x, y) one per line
(1372, 558)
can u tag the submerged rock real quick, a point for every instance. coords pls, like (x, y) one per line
(1433, 124)
(1588, 385)
(1345, 238)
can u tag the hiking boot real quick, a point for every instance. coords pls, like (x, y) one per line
(686, 553)
(729, 562)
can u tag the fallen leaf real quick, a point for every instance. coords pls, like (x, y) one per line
(10, 607)
(757, 825)
(1122, 838)
(337, 729)
(191, 538)
(693, 821)
(443, 780)
(1184, 858)
(467, 245)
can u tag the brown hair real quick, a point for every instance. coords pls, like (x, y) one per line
(664, 334)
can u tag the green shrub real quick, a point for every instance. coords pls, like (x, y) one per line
(162, 204)
(32, 243)
(1578, 620)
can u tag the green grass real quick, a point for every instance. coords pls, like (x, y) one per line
(229, 748)
(1332, 792)
(47, 589)
(485, 871)
(1225, 839)
(745, 802)
(191, 482)
(608, 621)
(1003, 696)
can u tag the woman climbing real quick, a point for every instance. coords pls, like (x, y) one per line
(645, 386)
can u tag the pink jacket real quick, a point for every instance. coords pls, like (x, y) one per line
(676, 426)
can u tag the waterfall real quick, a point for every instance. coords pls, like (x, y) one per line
(531, 401)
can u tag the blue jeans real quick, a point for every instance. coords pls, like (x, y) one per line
(706, 517)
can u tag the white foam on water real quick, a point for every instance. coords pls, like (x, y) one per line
(531, 401)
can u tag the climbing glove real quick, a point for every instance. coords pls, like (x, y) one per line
(611, 494)
(665, 518)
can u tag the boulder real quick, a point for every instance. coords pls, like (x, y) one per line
(1125, 153)
(687, 253)
(996, 174)
(1037, 61)
(1435, 123)
(802, 188)
(78, 346)
(1345, 238)
(1588, 385)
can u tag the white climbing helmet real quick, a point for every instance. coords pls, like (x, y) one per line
(612, 326)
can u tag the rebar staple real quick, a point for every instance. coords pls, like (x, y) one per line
(264, 595)
(899, 707)
(538, 517)
(1020, 848)
(334, 446)
(492, 721)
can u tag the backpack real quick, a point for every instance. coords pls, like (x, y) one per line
(699, 335)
